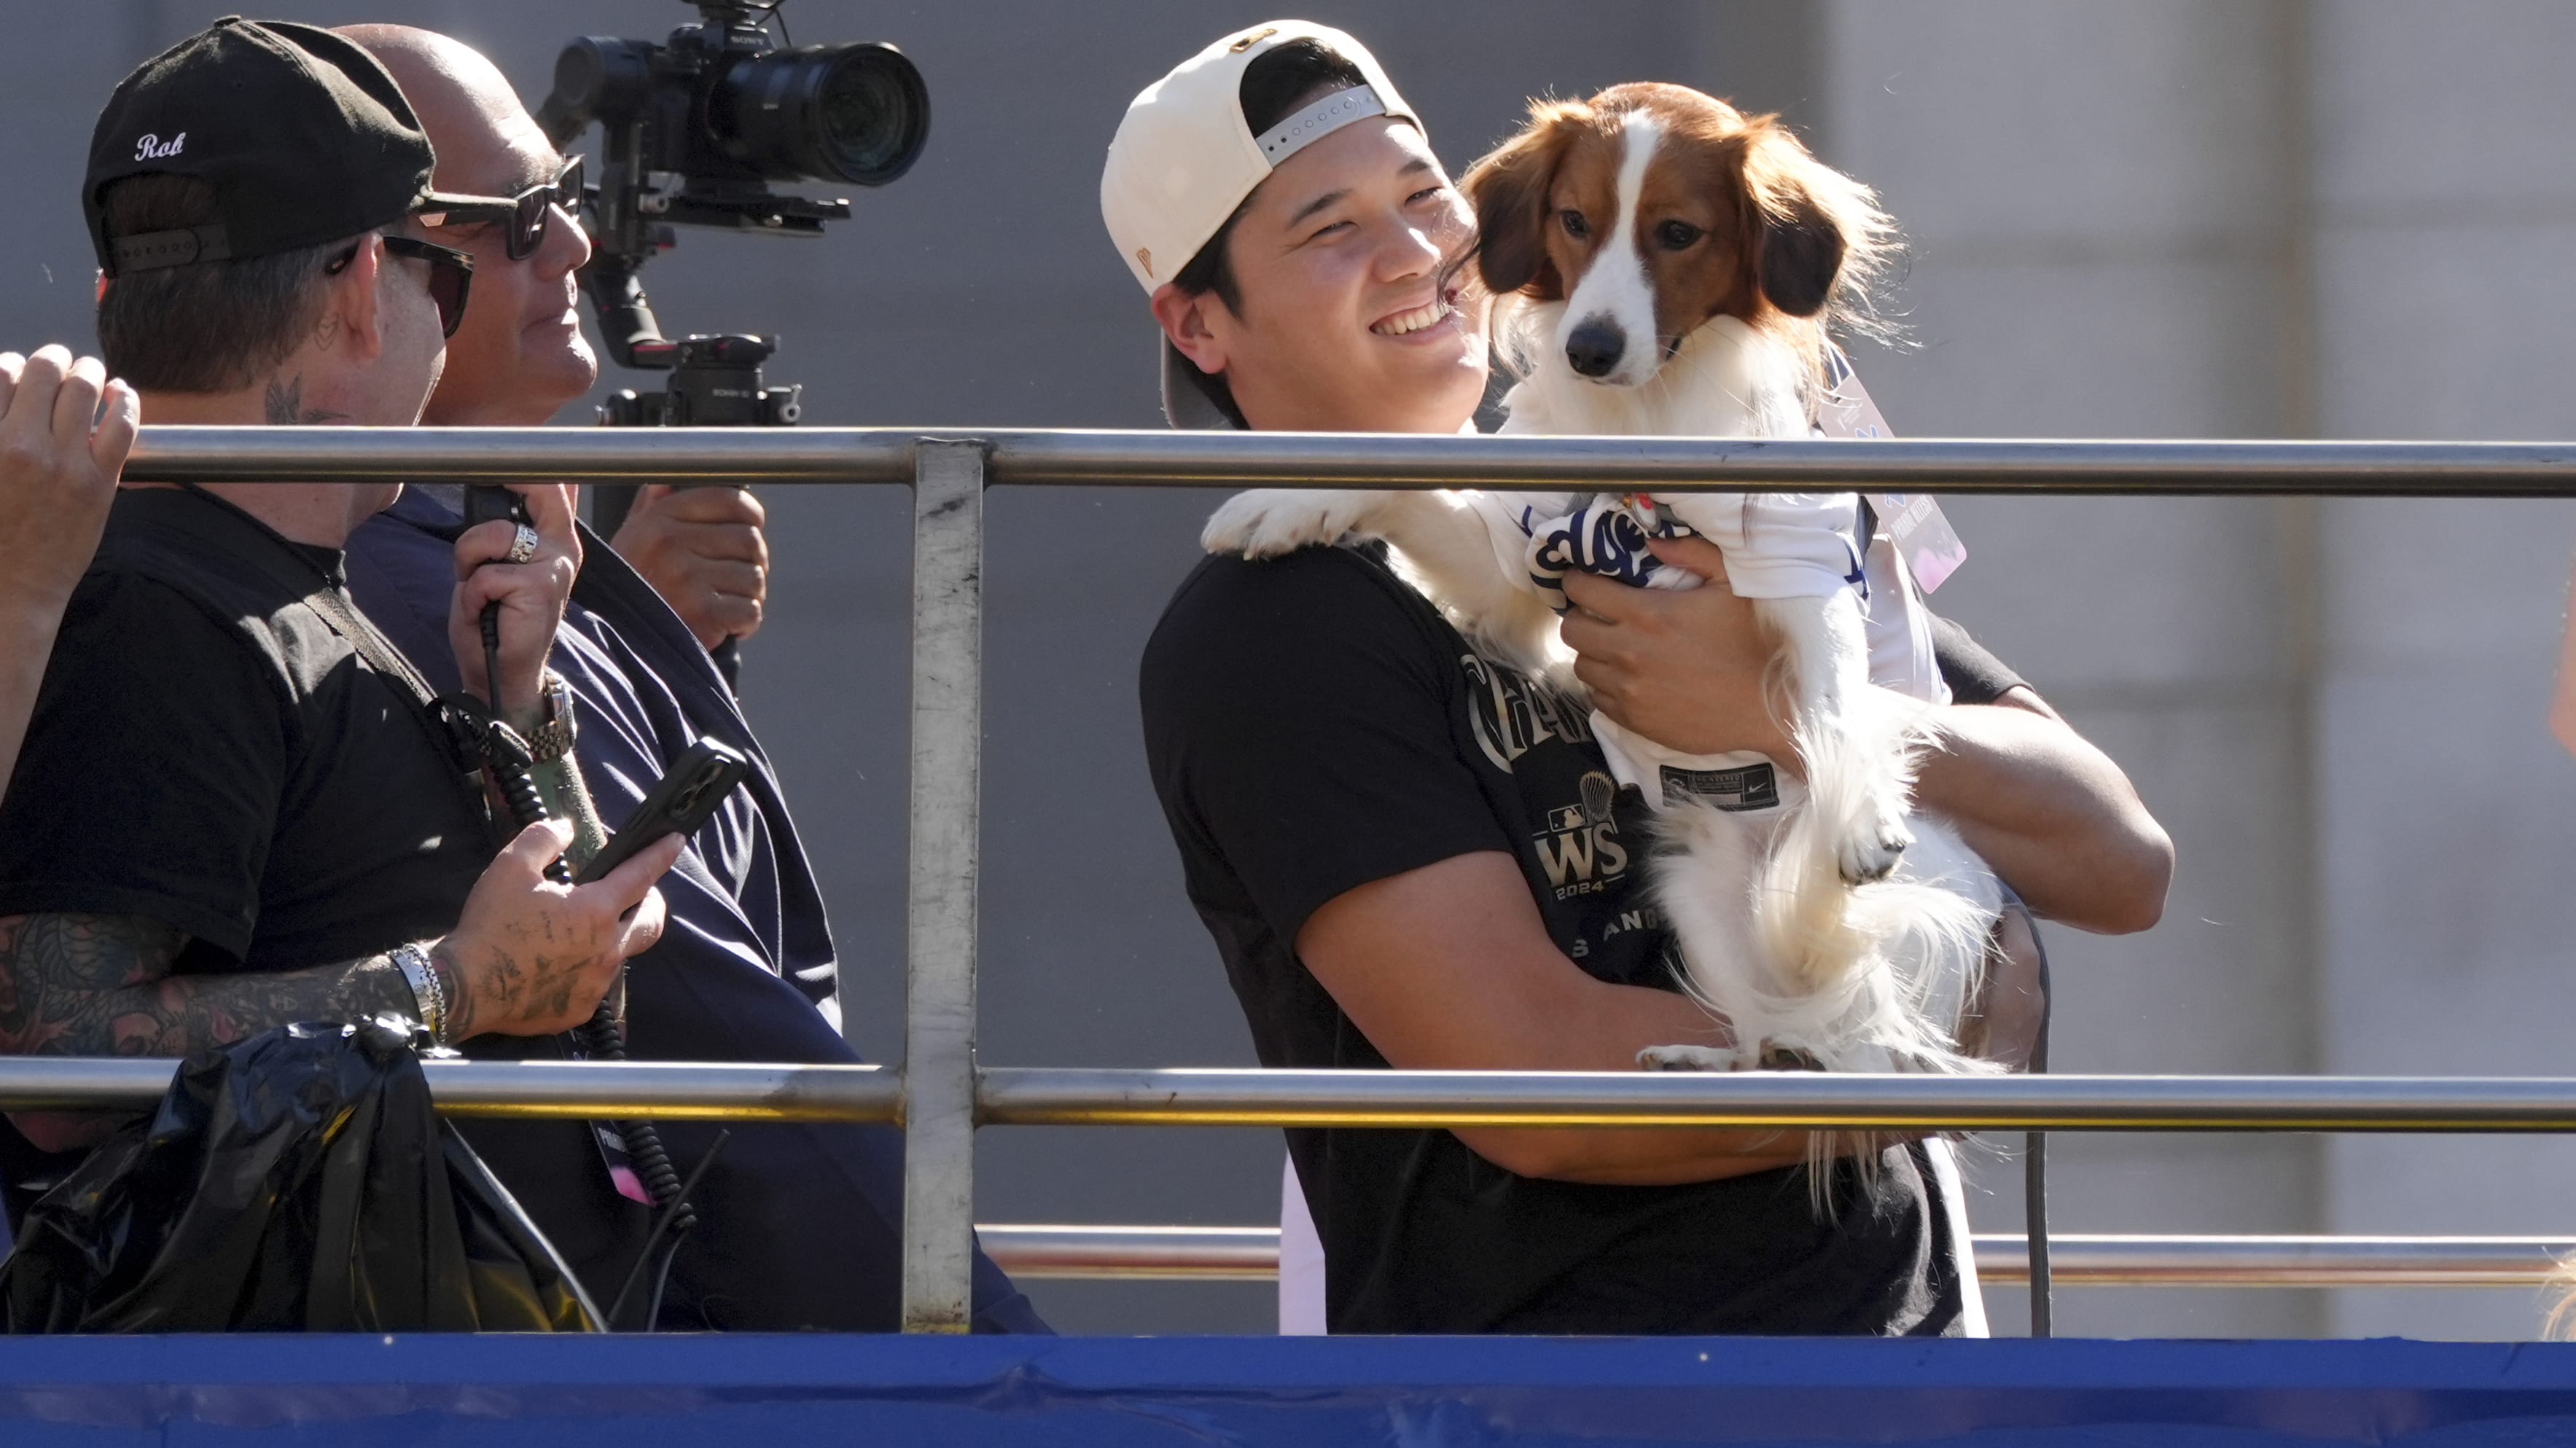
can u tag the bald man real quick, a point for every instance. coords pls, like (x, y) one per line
(521, 355)
(799, 1225)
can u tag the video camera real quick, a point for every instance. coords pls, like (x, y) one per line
(693, 131)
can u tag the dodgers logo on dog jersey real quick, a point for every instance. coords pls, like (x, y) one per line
(1611, 535)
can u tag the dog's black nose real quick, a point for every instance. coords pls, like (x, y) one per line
(1595, 347)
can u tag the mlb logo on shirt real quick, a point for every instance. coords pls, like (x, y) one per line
(1568, 818)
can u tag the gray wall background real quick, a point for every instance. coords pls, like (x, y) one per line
(2130, 218)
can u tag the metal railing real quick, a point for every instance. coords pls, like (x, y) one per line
(940, 1095)
(1251, 1254)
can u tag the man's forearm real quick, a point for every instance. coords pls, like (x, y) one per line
(99, 985)
(2051, 814)
(2003, 1026)
(1602, 1029)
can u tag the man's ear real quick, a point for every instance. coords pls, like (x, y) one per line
(1184, 318)
(353, 309)
(1509, 189)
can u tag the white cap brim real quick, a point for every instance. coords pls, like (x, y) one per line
(1184, 405)
(1183, 158)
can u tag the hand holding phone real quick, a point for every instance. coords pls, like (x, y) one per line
(685, 799)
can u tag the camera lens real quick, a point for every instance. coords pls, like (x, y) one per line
(856, 113)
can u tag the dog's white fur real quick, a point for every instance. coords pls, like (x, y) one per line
(1844, 929)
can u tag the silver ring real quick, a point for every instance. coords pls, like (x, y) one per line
(523, 544)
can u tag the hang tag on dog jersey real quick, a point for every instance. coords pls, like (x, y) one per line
(1915, 523)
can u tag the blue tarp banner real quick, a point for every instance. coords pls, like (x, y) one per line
(565, 1392)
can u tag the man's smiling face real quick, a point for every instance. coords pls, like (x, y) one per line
(1348, 323)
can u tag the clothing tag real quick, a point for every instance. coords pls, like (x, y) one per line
(620, 1163)
(1915, 524)
(1751, 787)
(613, 1153)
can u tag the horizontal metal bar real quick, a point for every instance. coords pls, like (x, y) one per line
(1079, 458)
(1252, 1254)
(1912, 465)
(1059, 1096)
(577, 1089)
(1235, 1254)
(2141, 1261)
(1024, 1096)
(477, 454)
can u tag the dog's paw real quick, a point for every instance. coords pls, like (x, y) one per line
(1267, 522)
(1872, 853)
(1686, 1058)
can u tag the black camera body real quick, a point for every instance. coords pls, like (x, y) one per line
(697, 126)
(694, 128)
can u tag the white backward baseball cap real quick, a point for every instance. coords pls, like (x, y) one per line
(1184, 158)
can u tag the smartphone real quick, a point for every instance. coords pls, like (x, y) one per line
(685, 799)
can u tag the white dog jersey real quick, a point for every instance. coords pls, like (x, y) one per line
(1777, 545)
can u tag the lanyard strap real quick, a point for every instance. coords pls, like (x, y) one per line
(435, 716)
(328, 602)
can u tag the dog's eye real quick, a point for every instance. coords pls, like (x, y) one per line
(1674, 235)
(1575, 225)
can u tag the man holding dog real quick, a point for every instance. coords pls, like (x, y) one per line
(1378, 824)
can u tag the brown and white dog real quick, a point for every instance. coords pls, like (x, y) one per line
(1665, 264)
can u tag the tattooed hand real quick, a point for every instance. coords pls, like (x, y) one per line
(531, 957)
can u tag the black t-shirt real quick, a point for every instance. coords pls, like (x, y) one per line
(1313, 724)
(207, 752)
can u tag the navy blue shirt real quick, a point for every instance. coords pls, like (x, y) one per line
(730, 897)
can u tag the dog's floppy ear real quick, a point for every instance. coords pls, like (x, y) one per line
(1802, 258)
(1509, 190)
(1812, 223)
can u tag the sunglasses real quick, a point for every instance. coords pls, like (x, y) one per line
(524, 217)
(451, 274)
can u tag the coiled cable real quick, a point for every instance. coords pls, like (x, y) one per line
(512, 766)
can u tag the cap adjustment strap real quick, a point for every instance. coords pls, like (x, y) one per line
(1319, 120)
(153, 250)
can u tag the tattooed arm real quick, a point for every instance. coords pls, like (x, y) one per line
(100, 985)
(527, 958)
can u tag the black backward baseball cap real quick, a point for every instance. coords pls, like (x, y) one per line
(303, 136)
